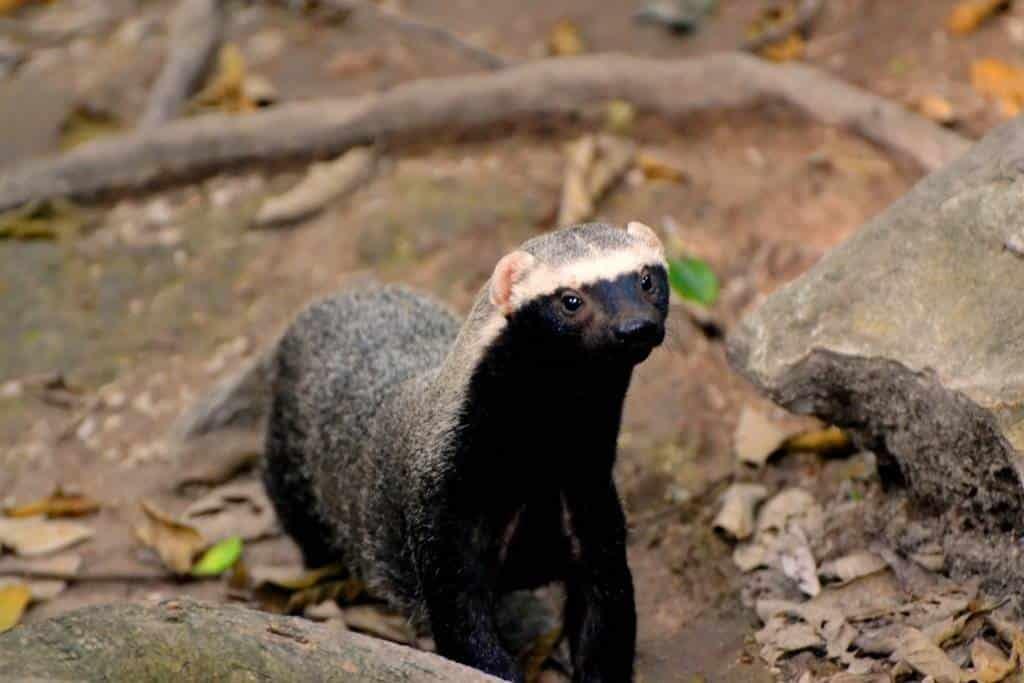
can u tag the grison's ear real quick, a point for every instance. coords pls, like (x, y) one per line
(645, 234)
(510, 270)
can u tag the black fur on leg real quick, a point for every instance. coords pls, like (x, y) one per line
(600, 616)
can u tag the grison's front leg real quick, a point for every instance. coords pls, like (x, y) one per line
(460, 594)
(600, 617)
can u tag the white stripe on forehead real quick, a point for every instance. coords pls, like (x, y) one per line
(544, 279)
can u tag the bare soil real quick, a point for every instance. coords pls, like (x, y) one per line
(161, 295)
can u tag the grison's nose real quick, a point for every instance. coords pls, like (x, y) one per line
(637, 331)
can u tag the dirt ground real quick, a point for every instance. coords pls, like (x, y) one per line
(163, 294)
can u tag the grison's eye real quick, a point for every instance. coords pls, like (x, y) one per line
(571, 302)
(646, 281)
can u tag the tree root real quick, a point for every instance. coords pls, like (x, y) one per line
(188, 149)
(196, 34)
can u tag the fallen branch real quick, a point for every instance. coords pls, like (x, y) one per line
(196, 33)
(805, 14)
(187, 149)
(183, 640)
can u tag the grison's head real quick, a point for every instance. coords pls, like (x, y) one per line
(584, 291)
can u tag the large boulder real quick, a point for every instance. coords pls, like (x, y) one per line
(911, 335)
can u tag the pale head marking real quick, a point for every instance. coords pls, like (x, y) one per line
(602, 264)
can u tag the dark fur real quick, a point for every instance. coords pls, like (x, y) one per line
(521, 493)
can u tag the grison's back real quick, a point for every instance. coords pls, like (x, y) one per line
(337, 369)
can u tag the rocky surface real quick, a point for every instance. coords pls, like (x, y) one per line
(910, 335)
(185, 640)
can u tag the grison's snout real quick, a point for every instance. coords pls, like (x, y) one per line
(639, 332)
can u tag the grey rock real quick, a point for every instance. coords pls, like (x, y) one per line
(911, 335)
(240, 402)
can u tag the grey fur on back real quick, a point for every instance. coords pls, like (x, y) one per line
(367, 390)
(337, 369)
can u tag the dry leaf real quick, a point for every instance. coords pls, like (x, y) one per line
(925, 657)
(797, 563)
(853, 566)
(756, 437)
(377, 622)
(292, 578)
(39, 590)
(324, 183)
(749, 556)
(175, 542)
(577, 203)
(65, 566)
(818, 441)
(324, 611)
(233, 510)
(790, 504)
(931, 558)
(779, 637)
(539, 652)
(594, 165)
(344, 591)
(946, 629)
(990, 664)
(736, 518)
(287, 590)
(860, 677)
(839, 636)
(31, 536)
(14, 598)
(9, 6)
(936, 108)
(565, 40)
(226, 87)
(258, 91)
(619, 116)
(789, 48)
(85, 123)
(57, 504)
(793, 47)
(1002, 82)
(50, 219)
(968, 15)
(656, 167)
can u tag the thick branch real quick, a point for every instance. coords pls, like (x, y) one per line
(183, 640)
(204, 145)
(196, 34)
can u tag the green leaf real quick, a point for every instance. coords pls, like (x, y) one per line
(693, 279)
(219, 558)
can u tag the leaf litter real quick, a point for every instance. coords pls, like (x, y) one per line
(756, 438)
(872, 612)
(175, 542)
(736, 517)
(240, 509)
(58, 504)
(32, 536)
(14, 599)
